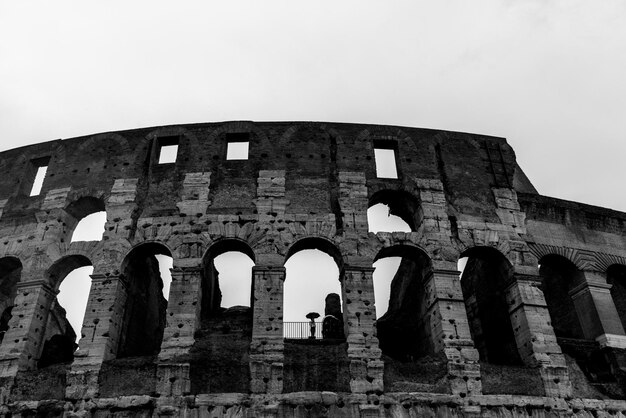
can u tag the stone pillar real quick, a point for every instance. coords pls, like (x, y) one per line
(366, 366)
(534, 335)
(450, 331)
(183, 320)
(101, 330)
(267, 346)
(596, 311)
(22, 343)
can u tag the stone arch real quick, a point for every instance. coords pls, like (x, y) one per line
(320, 243)
(211, 293)
(559, 276)
(144, 313)
(59, 338)
(583, 260)
(404, 331)
(98, 142)
(401, 203)
(80, 208)
(10, 274)
(484, 281)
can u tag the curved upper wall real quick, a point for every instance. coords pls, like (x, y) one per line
(311, 154)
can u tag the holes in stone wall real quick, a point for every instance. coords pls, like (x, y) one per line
(404, 328)
(37, 174)
(237, 145)
(485, 277)
(167, 149)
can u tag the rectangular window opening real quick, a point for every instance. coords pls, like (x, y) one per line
(168, 150)
(41, 165)
(386, 163)
(237, 146)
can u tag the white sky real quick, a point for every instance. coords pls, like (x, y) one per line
(549, 75)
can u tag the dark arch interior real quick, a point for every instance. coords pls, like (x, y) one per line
(400, 203)
(484, 280)
(616, 276)
(10, 272)
(404, 331)
(85, 206)
(144, 315)
(559, 276)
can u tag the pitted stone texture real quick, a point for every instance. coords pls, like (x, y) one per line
(302, 180)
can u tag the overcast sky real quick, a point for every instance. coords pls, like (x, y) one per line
(547, 75)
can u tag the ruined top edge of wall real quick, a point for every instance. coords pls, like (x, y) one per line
(139, 132)
(311, 154)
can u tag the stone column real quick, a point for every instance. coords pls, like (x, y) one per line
(596, 311)
(534, 335)
(450, 331)
(359, 313)
(22, 343)
(266, 349)
(101, 329)
(183, 320)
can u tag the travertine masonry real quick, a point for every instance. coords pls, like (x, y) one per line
(531, 327)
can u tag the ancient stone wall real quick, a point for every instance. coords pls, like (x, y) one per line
(532, 327)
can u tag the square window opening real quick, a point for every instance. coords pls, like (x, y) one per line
(168, 150)
(237, 146)
(167, 154)
(41, 167)
(385, 163)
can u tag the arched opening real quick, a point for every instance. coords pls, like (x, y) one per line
(89, 218)
(10, 273)
(616, 277)
(393, 210)
(403, 329)
(221, 351)
(312, 273)
(226, 277)
(313, 323)
(70, 276)
(485, 277)
(144, 314)
(558, 277)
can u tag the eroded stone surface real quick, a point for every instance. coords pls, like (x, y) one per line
(541, 299)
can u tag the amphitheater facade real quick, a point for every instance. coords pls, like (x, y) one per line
(534, 326)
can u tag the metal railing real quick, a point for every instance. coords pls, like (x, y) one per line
(301, 330)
